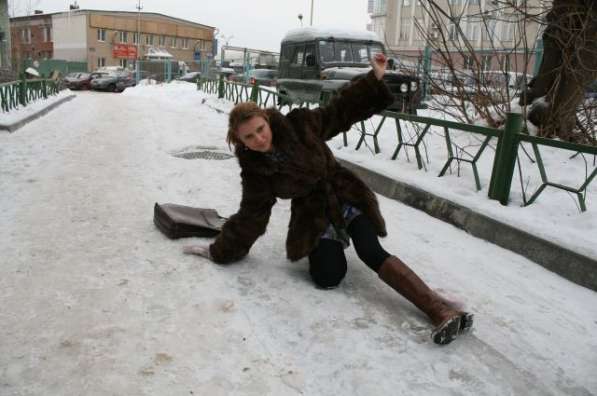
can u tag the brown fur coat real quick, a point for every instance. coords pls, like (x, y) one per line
(310, 175)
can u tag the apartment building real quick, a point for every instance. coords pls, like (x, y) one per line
(5, 47)
(495, 32)
(111, 38)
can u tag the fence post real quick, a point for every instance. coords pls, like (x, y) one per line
(221, 87)
(426, 71)
(168, 70)
(23, 91)
(138, 71)
(505, 159)
(255, 92)
(44, 89)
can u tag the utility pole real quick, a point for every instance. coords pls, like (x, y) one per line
(138, 68)
(311, 23)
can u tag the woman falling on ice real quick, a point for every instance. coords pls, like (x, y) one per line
(287, 157)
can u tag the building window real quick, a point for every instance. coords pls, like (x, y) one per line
(135, 38)
(469, 62)
(149, 39)
(508, 30)
(26, 36)
(505, 63)
(489, 25)
(185, 43)
(452, 31)
(473, 29)
(123, 37)
(379, 7)
(47, 31)
(174, 42)
(486, 62)
(404, 30)
(101, 62)
(162, 41)
(101, 34)
(123, 63)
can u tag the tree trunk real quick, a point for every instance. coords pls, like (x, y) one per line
(569, 65)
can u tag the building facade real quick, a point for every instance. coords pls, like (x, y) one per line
(495, 32)
(31, 38)
(111, 38)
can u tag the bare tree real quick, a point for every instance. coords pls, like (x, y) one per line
(472, 74)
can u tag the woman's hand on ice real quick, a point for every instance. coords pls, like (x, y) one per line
(199, 250)
(378, 63)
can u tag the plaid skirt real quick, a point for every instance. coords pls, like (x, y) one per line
(339, 234)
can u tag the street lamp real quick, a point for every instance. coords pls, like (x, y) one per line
(311, 23)
(300, 17)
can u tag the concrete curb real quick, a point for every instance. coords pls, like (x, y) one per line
(19, 124)
(573, 266)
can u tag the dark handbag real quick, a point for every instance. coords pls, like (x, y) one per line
(178, 221)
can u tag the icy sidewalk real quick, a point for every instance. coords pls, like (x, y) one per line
(95, 301)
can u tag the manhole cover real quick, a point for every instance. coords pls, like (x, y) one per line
(206, 154)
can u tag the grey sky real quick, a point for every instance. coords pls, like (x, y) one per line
(253, 23)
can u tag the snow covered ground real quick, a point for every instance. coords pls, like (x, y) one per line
(95, 301)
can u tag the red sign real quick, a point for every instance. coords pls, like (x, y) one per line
(126, 51)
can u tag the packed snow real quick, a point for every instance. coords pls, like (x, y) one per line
(96, 301)
(322, 33)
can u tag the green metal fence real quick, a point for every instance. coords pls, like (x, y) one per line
(21, 93)
(238, 92)
(509, 140)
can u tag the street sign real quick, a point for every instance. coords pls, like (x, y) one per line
(124, 51)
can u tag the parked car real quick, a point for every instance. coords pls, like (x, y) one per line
(113, 81)
(228, 73)
(76, 81)
(317, 63)
(263, 77)
(190, 77)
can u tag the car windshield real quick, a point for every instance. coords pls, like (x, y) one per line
(72, 75)
(347, 52)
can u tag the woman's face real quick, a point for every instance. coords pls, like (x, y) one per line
(256, 134)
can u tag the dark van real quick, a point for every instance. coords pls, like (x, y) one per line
(316, 63)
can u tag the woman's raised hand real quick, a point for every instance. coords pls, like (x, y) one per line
(379, 63)
(199, 250)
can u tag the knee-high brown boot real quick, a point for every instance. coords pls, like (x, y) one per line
(448, 321)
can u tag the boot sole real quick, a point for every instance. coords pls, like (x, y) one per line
(466, 322)
(451, 328)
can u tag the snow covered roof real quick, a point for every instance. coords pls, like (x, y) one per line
(313, 33)
(154, 52)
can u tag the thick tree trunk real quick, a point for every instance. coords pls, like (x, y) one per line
(569, 65)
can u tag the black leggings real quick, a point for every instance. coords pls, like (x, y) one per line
(327, 263)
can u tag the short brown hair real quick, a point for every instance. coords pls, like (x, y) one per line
(242, 112)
